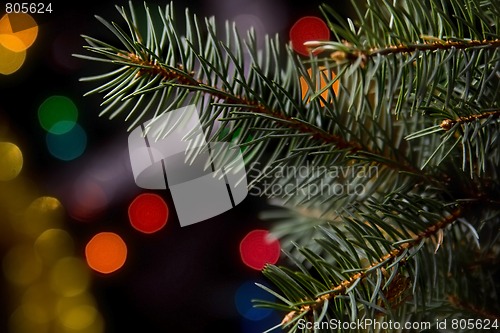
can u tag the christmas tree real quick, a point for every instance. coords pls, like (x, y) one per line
(378, 146)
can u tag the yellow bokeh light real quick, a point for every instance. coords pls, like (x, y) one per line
(40, 294)
(78, 317)
(42, 214)
(10, 61)
(21, 265)
(69, 277)
(21, 26)
(54, 244)
(79, 314)
(48, 285)
(11, 161)
(65, 303)
(20, 322)
(36, 312)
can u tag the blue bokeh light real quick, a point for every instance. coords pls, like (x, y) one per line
(67, 146)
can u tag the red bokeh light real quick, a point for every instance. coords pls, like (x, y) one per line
(308, 28)
(148, 213)
(259, 248)
(87, 201)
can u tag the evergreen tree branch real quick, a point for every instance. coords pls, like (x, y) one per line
(353, 54)
(446, 65)
(186, 80)
(147, 72)
(400, 251)
(418, 98)
(189, 82)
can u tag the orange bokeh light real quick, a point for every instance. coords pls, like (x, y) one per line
(21, 26)
(106, 252)
(304, 86)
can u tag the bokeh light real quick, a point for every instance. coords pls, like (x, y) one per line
(40, 295)
(247, 292)
(48, 285)
(12, 43)
(248, 21)
(18, 31)
(23, 321)
(19, 25)
(54, 244)
(10, 61)
(148, 213)
(43, 213)
(78, 317)
(254, 326)
(320, 76)
(21, 265)
(69, 277)
(57, 114)
(259, 248)
(67, 146)
(64, 303)
(87, 200)
(308, 28)
(11, 161)
(37, 312)
(106, 252)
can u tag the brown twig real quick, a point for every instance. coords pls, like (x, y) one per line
(365, 55)
(447, 124)
(434, 46)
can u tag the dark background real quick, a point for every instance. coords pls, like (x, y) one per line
(178, 279)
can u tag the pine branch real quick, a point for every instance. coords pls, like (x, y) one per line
(418, 94)
(399, 252)
(352, 54)
(170, 80)
(446, 65)
(189, 82)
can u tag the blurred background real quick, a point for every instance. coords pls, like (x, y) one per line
(59, 190)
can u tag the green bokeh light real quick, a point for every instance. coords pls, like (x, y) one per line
(57, 114)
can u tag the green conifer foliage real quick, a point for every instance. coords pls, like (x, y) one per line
(391, 208)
